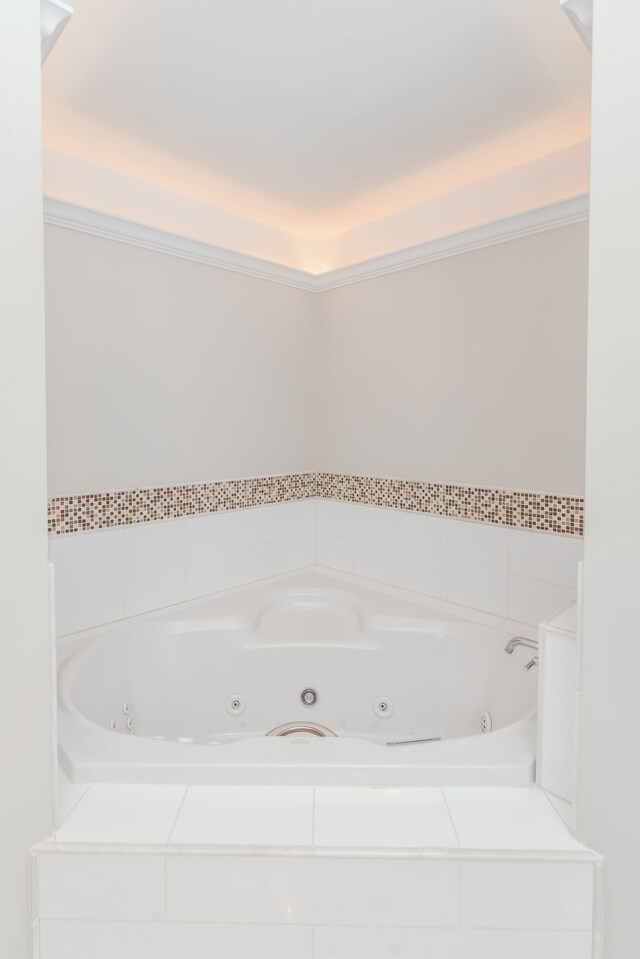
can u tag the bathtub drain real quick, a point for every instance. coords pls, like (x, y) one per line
(311, 729)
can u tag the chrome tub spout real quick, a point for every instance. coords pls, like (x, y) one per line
(520, 641)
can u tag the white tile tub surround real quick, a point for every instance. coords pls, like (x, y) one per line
(335, 942)
(505, 818)
(374, 543)
(114, 813)
(382, 817)
(526, 895)
(236, 815)
(334, 906)
(313, 890)
(68, 799)
(173, 940)
(422, 553)
(521, 575)
(211, 545)
(154, 566)
(497, 818)
(478, 566)
(89, 570)
(105, 575)
(96, 886)
(328, 873)
(335, 534)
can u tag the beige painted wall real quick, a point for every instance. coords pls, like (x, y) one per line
(26, 813)
(466, 370)
(164, 371)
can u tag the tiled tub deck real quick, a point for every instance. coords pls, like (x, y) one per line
(313, 873)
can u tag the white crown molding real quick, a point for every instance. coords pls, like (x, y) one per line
(580, 12)
(73, 217)
(563, 213)
(84, 220)
(54, 16)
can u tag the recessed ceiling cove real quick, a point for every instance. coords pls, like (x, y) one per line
(313, 118)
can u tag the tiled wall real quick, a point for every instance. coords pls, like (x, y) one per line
(89, 511)
(512, 573)
(102, 904)
(107, 574)
(500, 507)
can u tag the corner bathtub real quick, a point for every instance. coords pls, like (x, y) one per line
(403, 693)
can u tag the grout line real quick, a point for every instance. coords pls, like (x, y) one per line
(543, 582)
(82, 795)
(35, 938)
(33, 904)
(455, 832)
(453, 825)
(321, 925)
(173, 826)
(165, 890)
(446, 559)
(597, 922)
(544, 792)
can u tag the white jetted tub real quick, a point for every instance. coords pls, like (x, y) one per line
(307, 679)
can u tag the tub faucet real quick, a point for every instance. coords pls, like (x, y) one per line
(522, 641)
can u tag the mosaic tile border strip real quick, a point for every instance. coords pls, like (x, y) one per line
(91, 511)
(500, 507)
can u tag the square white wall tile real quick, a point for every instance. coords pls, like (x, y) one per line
(382, 817)
(154, 587)
(527, 895)
(259, 562)
(374, 543)
(234, 889)
(259, 524)
(154, 544)
(531, 601)
(478, 566)
(246, 815)
(172, 940)
(211, 553)
(94, 886)
(89, 572)
(335, 517)
(298, 523)
(336, 552)
(543, 556)
(422, 553)
(507, 818)
(154, 566)
(114, 812)
(313, 891)
(378, 943)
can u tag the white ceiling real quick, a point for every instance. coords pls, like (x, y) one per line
(316, 116)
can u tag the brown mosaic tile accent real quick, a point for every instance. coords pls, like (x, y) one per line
(90, 511)
(500, 507)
